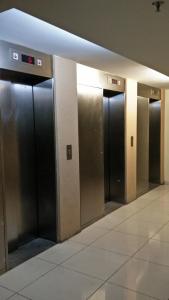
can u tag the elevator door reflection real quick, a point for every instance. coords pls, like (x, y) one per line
(114, 160)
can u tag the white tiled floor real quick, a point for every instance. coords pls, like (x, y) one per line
(96, 262)
(124, 256)
(111, 292)
(4, 293)
(61, 252)
(115, 241)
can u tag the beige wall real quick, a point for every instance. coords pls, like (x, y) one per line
(65, 94)
(162, 180)
(166, 138)
(131, 130)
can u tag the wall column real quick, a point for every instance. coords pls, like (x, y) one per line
(131, 138)
(166, 138)
(66, 118)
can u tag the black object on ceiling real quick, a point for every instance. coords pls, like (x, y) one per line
(157, 5)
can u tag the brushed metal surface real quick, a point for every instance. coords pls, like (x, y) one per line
(148, 91)
(7, 63)
(27, 160)
(155, 137)
(45, 159)
(142, 145)
(2, 211)
(114, 152)
(18, 162)
(90, 106)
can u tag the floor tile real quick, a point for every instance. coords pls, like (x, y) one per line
(18, 297)
(139, 203)
(163, 187)
(153, 217)
(143, 201)
(139, 228)
(162, 208)
(164, 198)
(159, 191)
(124, 212)
(60, 252)
(120, 242)
(163, 234)
(24, 274)
(113, 292)
(110, 221)
(157, 209)
(62, 284)
(89, 235)
(144, 277)
(96, 262)
(156, 252)
(111, 240)
(5, 294)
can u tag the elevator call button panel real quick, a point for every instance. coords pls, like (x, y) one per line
(24, 58)
(15, 55)
(69, 152)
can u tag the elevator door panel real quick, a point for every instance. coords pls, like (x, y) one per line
(90, 106)
(45, 154)
(142, 145)
(114, 147)
(2, 204)
(154, 148)
(18, 157)
(2, 232)
(106, 149)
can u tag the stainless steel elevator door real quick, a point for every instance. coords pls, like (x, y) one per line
(142, 145)
(18, 159)
(2, 203)
(45, 159)
(114, 154)
(90, 108)
(155, 138)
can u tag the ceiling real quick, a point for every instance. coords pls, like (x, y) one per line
(83, 19)
(131, 28)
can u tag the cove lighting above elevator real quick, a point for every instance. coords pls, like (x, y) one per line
(21, 28)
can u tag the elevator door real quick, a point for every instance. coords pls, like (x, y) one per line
(142, 145)
(154, 148)
(114, 161)
(45, 159)
(18, 157)
(90, 109)
(2, 215)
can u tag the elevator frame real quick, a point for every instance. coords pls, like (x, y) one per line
(97, 82)
(154, 94)
(33, 72)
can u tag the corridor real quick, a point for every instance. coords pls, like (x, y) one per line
(124, 256)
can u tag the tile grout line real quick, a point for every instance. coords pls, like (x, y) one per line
(125, 288)
(87, 246)
(16, 294)
(12, 291)
(152, 262)
(90, 244)
(36, 280)
(131, 257)
(59, 264)
(137, 292)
